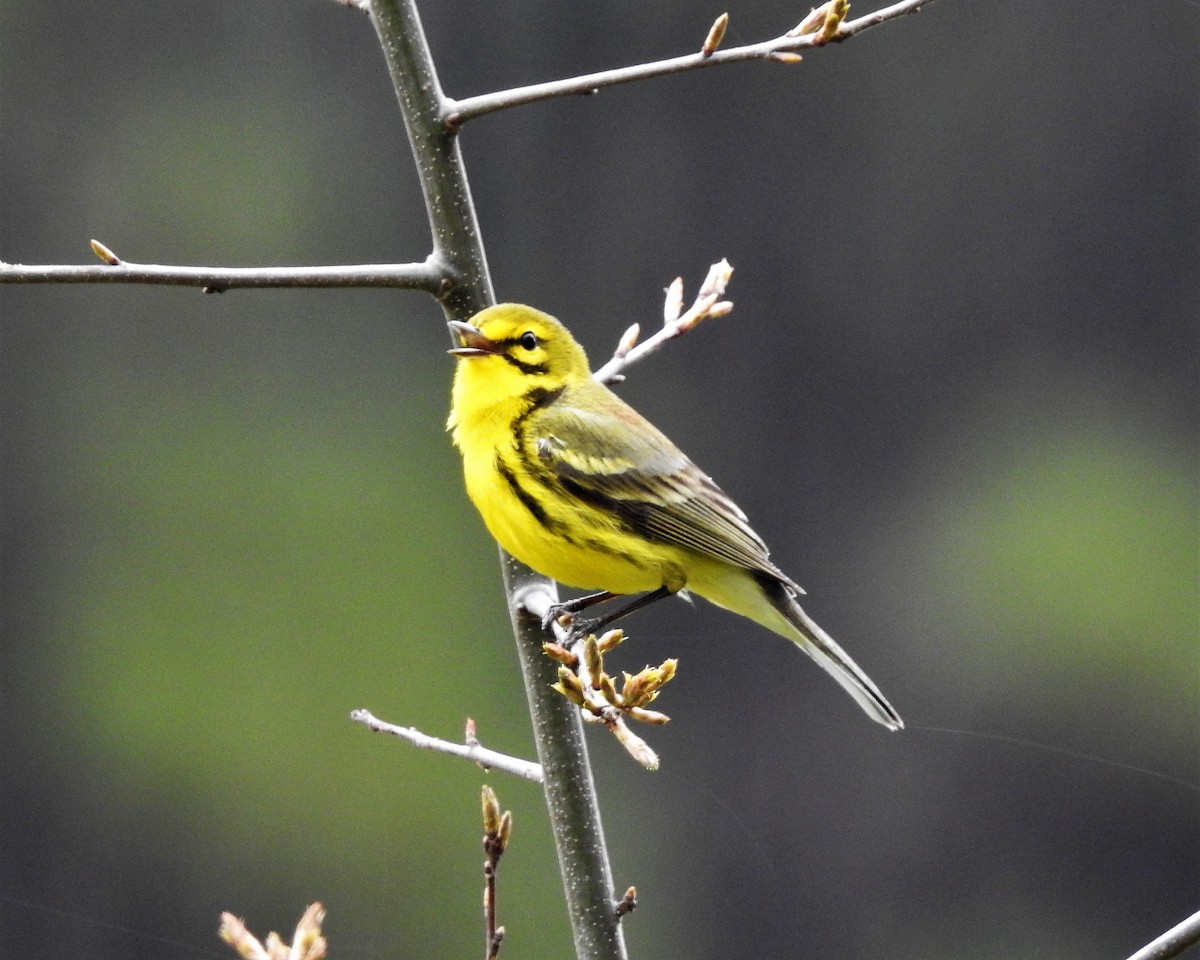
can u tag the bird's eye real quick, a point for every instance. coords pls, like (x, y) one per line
(528, 340)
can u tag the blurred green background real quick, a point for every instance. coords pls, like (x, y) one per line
(957, 396)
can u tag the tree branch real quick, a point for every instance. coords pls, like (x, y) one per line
(457, 246)
(783, 48)
(558, 731)
(570, 791)
(525, 769)
(413, 276)
(1173, 942)
(456, 274)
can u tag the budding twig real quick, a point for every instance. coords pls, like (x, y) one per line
(583, 680)
(307, 942)
(785, 48)
(709, 303)
(497, 830)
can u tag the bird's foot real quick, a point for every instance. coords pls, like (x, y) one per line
(566, 614)
(568, 618)
(557, 613)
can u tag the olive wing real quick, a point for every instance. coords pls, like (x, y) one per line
(617, 461)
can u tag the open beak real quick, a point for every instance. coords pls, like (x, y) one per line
(471, 343)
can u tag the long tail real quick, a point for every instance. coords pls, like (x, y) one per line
(821, 647)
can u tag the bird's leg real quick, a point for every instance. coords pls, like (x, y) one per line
(581, 627)
(572, 607)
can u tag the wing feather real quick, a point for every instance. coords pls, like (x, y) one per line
(616, 460)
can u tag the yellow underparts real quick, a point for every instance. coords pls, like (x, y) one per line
(569, 541)
(581, 546)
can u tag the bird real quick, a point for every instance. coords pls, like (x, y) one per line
(580, 487)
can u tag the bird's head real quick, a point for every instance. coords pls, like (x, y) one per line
(509, 350)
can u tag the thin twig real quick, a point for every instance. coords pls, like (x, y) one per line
(1173, 942)
(497, 831)
(527, 769)
(782, 48)
(709, 303)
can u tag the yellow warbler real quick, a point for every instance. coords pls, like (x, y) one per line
(575, 483)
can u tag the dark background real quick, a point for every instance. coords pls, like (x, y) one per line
(957, 396)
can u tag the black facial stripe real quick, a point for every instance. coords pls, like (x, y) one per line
(526, 368)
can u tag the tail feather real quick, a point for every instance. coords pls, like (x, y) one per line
(767, 597)
(833, 659)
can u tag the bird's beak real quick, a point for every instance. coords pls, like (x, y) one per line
(471, 343)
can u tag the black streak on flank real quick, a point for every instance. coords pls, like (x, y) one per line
(527, 499)
(633, 514)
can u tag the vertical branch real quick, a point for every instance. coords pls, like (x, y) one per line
(570, 792)
(458, 250)
(457, 246)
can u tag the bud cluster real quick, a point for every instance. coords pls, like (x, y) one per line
(583, 680)
(307, 943)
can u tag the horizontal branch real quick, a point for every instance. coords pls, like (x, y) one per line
(783, 48)
(426, 276)
(527, 769)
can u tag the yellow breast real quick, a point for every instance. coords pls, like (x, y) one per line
(563, 539)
